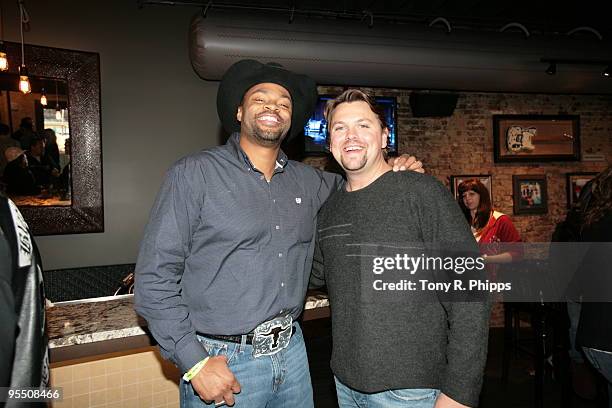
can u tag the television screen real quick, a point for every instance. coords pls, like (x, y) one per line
(315, 130)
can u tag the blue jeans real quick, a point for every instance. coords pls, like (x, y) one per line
(413, 398)
(602, 361)
(277, 381)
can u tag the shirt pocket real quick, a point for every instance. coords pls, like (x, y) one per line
(298, 219)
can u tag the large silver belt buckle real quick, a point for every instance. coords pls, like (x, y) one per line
(272, 336)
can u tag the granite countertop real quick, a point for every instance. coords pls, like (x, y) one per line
(90, 320)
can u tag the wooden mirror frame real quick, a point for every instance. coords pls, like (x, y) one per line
(81, 71)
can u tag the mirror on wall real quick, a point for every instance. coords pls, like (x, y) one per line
(51, 161)
(35, 142)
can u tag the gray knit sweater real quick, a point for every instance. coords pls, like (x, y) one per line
(393, 342)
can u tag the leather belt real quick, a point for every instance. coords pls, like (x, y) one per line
(235, 338)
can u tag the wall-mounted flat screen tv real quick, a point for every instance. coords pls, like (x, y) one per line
(315, 130)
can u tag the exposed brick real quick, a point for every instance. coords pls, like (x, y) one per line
(463, 144)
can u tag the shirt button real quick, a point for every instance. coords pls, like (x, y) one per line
(277, 227)
(274, 200)
(282, 283)
(280, 255)
(261, 177)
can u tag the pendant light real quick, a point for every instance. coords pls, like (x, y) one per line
(3, 58)
(24, 81)
(58, 111)
(43, 97)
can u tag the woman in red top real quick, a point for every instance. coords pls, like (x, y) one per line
(490, 228)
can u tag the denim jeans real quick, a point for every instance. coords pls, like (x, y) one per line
(602, 361)
(412, 398)
(277, 381)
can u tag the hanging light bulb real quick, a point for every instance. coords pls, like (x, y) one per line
(58, 112)
(3, 58)
(24, 81)
(43, 97)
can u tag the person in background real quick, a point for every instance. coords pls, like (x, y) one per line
(17, 176)
(64, 183)
(51, 147)
(594, 333)
(6, 141)
(584, 381)
(24, 358)
(490, 228)
(44, 168)
(25, 133)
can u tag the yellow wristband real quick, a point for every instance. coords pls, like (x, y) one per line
(195, 370)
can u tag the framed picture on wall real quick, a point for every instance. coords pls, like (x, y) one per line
(536, 138)
(485, 179)
(529, 194)
(575, 183)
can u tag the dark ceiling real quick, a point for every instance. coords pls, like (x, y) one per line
(538, 16)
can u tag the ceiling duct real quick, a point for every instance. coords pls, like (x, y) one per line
(338, 52)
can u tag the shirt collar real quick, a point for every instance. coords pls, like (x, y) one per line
(234, 144)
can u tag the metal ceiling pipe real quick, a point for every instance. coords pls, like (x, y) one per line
(404, 55)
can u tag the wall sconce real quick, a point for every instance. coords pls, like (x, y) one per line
(552, 65)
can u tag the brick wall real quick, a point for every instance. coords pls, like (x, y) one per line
(463, 144)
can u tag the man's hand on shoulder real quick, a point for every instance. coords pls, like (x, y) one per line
(444, 401)
(406, 162)
(216, 382)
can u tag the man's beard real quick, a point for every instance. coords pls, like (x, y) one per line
(354, 165)
(268, 137)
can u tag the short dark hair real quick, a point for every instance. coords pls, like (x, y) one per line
(37, 139)
(354, 95)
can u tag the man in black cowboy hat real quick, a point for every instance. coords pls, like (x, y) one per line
(224, 265)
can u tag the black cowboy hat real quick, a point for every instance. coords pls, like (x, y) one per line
(244, 74)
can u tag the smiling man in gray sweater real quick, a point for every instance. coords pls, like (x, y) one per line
(395, 343)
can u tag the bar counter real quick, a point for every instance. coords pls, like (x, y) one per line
(103, 356)
(89, 327)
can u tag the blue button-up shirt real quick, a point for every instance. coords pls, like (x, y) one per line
(226, 250)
